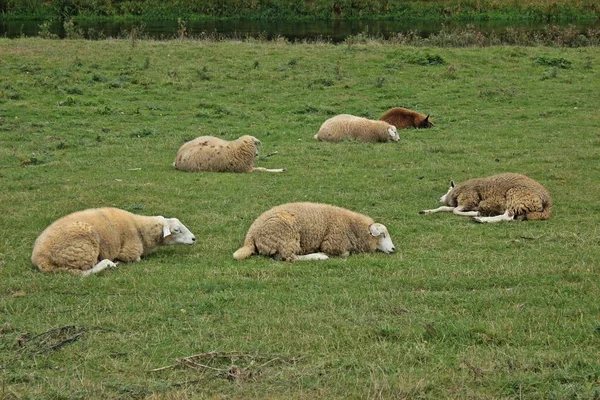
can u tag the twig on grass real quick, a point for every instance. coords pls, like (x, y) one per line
(247, 367)
(52, 339)
(271, 154)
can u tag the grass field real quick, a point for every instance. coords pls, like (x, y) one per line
(461, 310)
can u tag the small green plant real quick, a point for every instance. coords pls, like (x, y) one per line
(379, 82)
(425, 59)
(44, 30)
(450, 72)
(338, 71)
(320, 83)
(182, 30)
(203, 74)
(255, 64)
(557, 62)
(71, 31)
(70, 101)
(552, 73)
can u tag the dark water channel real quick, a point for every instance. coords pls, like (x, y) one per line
(335, 31)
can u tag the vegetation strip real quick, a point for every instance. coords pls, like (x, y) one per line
(530, 10)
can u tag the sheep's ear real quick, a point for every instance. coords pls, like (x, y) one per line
(374, 230)
(427, 118)
(452, 184)
(166, 230)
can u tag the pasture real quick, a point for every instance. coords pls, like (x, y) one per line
(461, 310)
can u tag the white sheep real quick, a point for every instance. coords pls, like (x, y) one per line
(502, 197)
(89, 241)
(313, 231)
(344, 126)
(208, 153)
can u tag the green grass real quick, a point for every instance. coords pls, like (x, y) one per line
(461, 310)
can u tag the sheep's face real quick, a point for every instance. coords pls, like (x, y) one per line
(426, 123)
(393, 132)
(384, 240)
(447, 199)
(256, 145)
(174, 232)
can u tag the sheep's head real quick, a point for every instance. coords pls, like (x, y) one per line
(252, 140)
(426, 123)
(393, 132)
(174, 232)
(384, 240)
(447, 199)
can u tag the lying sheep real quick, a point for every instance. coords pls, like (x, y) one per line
(345, 126)
(503, 197)
(89, 241)
(403, 118)
(208, 153)
(313, 231)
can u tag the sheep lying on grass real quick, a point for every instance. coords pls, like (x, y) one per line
(208, 153)
(503, 197)
(403, 118)
(345, 126)
(313, 231)
(89, 241)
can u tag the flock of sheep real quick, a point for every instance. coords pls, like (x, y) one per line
(89, 241)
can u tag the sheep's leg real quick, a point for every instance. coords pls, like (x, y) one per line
(439, 209)
(312, 256)
(460, 211)
(497, 218)
(254, 169)
(101, 266)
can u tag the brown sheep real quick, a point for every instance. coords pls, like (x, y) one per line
(208, 153)
(312, 231)
(403, 118)
(502, 197)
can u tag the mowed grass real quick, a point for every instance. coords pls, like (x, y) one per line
(461, 310)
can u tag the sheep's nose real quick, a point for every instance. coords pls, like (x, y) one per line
(393, 249)
(193, 238)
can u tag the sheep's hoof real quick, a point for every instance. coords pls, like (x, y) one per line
(477, 219)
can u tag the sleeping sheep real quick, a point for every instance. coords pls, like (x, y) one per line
(403, 118)
(89, 241)
(208, 153)
(503, 197)
(313, 231)
(345, 126)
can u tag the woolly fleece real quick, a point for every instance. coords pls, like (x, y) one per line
(518, 194)
(403, 118)
(78, 241)
(208, 153)
(344, 126)
(293, 229)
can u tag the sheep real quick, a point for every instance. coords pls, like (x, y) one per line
(502, 197)
(402, 118)
(208, 153)
(89, 241)
(344, 126)
(313, 231)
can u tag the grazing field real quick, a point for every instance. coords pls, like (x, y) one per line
(461, 310)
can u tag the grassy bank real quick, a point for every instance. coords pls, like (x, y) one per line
(459, 311)
(531, 10)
